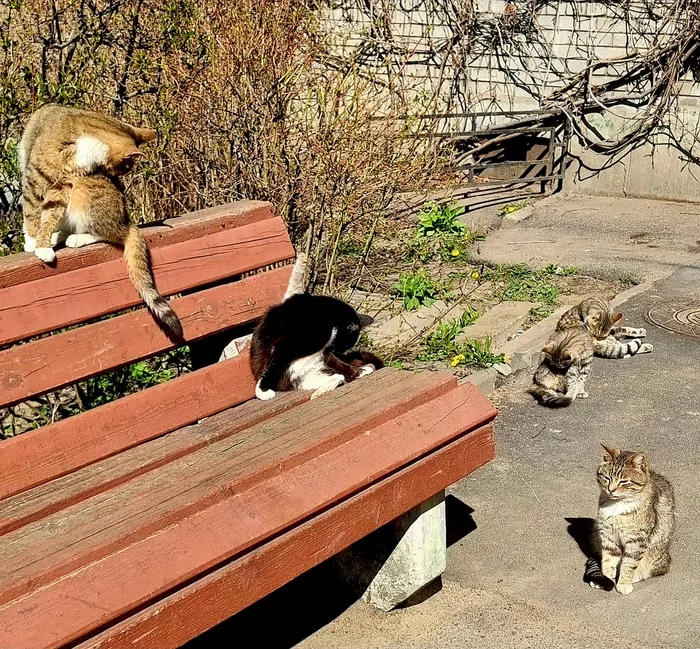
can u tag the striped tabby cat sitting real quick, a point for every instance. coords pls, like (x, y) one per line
(635, 521)
(585, 330)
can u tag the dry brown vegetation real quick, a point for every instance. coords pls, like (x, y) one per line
(247, 98)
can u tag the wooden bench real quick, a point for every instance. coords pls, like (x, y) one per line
(145, 521)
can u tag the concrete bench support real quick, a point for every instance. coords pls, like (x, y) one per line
(401, 558)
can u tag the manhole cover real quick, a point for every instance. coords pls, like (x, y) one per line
(679, 317)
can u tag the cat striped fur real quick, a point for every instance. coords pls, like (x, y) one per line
(635, 521)
(565, 363)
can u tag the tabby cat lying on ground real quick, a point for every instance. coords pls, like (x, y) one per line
(303, 343)
(635, 521)
(584, 330)
(71, 162)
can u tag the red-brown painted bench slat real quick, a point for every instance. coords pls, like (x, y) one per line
(70, 298)
(22, 269)
(247, 514)
(77, 354)
(52, 451)
(50, 497)
(116, 522)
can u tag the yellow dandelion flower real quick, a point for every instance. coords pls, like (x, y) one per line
(460, 358)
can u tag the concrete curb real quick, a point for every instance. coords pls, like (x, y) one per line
(524, 351)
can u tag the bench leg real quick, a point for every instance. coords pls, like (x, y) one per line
(397, 561)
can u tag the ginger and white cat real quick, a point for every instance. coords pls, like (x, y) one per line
(71, 162)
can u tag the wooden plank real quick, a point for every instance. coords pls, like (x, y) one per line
(242, 582)
(70, 298)
(26, 267)
(46, 499)
(41, 455)
(77, 354)
(96, 527)
(139, 573)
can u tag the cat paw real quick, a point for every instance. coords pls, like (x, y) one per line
(73, 241)
(366, 369)
(641, 332)
(334, 382)
(29, 243)
(264, 395)
(595, 585)
(646, 348)
(45, 254)
(624, 589)
(583, 395)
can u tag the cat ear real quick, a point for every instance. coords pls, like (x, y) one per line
(566, 356)
(549, 350)
(610, 453)
(134, 154)
(143, 135)
(639, 460)
(617, 317)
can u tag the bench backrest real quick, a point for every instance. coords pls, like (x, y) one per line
(51, 311)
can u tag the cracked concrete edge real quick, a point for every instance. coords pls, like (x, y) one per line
(524, 351)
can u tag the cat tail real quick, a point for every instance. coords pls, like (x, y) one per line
(141, 275)
(550, 397)
(296, 281)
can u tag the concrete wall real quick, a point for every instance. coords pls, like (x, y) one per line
(503, 74)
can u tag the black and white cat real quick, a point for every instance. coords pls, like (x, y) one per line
(303, 343)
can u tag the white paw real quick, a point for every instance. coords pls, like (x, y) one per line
(264, 395)
(29, 243)
(334, 382)
(45, 254)
(366, 369)
(627, 356)
(641, 332)
(624, 589)
(72, 241)
(583, 395)
(646, 348)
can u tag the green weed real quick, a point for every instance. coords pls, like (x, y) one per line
(520, 283)
(441, 345)
(553, 269)
(629, 280)
(542, 310)
(440, 219)
(417, 289)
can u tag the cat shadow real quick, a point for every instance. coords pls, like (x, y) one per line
(306, 604)
(582, 530)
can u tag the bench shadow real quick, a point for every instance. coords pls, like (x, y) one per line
(582, 530)
(306, 604)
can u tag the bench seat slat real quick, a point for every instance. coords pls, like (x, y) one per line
(23, 268)
(30, 555)
(77, 354)
(41, 455)
(249, 513)
(41, 501)
(71, 298)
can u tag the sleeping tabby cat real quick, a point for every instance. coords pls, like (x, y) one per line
(635, 520)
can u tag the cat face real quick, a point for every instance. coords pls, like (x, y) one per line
(600, 323)
(622, 474)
